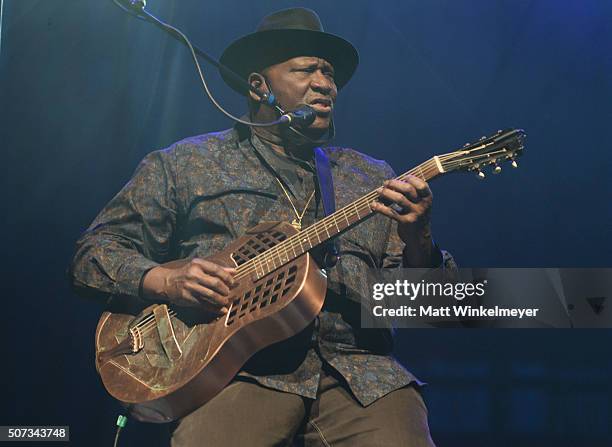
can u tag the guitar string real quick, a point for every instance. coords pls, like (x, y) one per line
(425, 168)
(317, 229)
(325, 224)
(508, 153)
(147, 323)
(144, 324)
(332, 220)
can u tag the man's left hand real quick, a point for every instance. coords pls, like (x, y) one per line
(409, 203)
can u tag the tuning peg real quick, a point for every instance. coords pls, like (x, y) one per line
(514, 164)
(481, 175)
(497, 169)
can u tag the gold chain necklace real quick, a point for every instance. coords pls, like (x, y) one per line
(297, 222)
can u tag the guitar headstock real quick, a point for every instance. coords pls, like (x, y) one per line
(503, 146)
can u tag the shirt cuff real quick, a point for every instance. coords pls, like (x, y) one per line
(130, 275)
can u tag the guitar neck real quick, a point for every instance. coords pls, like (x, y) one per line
(332, 225)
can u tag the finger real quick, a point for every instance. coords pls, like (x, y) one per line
(214, 283)
(226, 274)
(399, 197)
(409, 217)
(207, 296)
(232, 271)
(404, 188)
(421, 186)
(385, 210)
(412, 186)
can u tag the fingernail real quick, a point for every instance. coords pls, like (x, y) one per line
(224, 310)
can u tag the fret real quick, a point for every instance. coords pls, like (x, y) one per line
(335, 222)
(348, 223)
(356, 209)
(307, 240)
(303, 241)
(298, 252)
(361, 208)
(368, 209)
(421, 172)
(286, 258)
(326, 230)
(337, 227)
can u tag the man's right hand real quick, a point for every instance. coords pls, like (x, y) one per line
(192, 283)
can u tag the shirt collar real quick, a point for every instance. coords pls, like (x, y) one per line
(269, 157)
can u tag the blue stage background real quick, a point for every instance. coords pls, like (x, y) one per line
(86, 91)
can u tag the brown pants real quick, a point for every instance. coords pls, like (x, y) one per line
(247, 414)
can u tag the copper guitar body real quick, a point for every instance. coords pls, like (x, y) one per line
(165, 363)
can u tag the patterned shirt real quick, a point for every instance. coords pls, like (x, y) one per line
(193, 198)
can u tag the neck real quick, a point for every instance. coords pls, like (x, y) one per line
(282, 142)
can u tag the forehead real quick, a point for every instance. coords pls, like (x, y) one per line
(306, 61)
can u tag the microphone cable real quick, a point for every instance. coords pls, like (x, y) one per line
(121, 422)
(137, 9)
(1, 16)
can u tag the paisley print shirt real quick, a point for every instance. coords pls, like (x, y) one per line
(193, 198)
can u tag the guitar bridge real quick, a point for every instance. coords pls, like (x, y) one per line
(136, 339)
(131, 344)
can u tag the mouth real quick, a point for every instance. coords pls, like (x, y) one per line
(323, 105)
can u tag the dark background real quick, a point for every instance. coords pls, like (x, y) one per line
(86, 91)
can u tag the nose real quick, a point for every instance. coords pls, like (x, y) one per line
(322, 83)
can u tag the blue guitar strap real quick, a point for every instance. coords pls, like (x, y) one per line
(326, 187)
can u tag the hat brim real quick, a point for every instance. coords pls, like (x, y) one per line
(256, 51)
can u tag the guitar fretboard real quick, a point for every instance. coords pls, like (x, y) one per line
(330, 226)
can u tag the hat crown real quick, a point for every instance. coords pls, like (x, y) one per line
(283, 35)
(292, 18)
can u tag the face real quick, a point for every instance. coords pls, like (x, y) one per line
(305, 80)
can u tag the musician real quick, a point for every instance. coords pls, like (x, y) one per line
(333, 383)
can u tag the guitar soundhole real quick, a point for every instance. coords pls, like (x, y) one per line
(264, 294)
(257, 245)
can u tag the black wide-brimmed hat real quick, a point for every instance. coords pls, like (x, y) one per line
(283, 35)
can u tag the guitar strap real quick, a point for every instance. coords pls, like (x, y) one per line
(326, 187)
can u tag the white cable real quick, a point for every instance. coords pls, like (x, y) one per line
(1, 9)
(149, 17)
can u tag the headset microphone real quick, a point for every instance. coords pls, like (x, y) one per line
(303, 116)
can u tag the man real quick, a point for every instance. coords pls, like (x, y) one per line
(333, 383)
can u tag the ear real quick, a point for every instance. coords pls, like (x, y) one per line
(257, 81)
